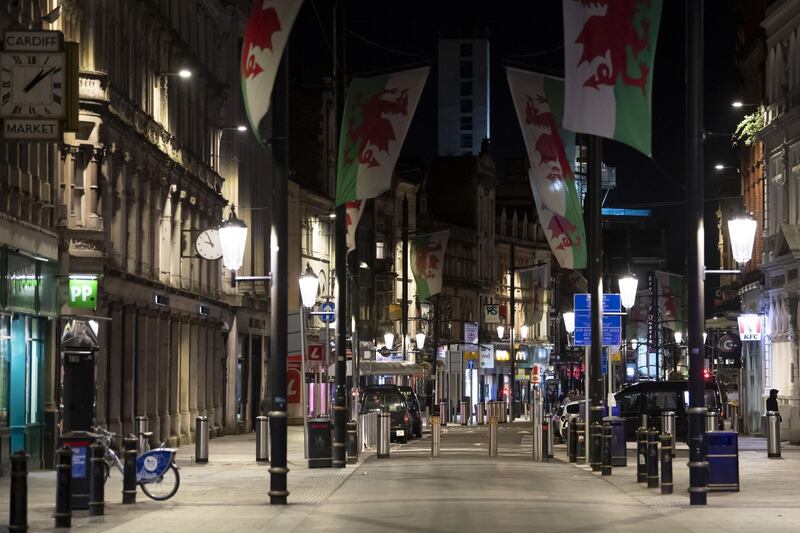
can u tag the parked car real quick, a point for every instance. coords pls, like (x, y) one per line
(388, 399)
(412, 402)
(565, 413)
(655, 397)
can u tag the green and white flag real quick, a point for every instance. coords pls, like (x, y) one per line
(609, 50)
(427, 262)
(539, 102)
(377, 114)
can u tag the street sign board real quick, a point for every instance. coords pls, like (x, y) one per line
(491, 313)
(82, 292)
(471, 364)
(314, 352)
(329, 309)
(470, 333)
(612, 324)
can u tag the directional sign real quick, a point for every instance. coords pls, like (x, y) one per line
(612, 324)
(328, 308)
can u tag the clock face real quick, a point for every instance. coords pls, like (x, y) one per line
(208, 245)
(32, 84)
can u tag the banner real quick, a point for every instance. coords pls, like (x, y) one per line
(427, 262)
(671, 300)
(353, 212)
(534, 284)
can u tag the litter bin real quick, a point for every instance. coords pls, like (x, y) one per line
(79, 441)
(723, 461)
(619, 454)
(320, 445)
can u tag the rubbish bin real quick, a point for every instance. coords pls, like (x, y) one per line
(712, 421)
(320, 443)
(79, 441)
(723, 461)
(619, 454)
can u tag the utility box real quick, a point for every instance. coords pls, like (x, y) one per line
(619, 452)
(79, 441)
(723, 461)
(320, 443)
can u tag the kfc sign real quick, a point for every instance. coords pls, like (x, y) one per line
(750, 327)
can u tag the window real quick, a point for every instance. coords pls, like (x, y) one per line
(466, 124)
(465, 50)
(465, 69)
(379, 251)
(466, 106)
(465, 88)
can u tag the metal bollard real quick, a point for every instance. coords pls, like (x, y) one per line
(503, 412)
(712, 421)
(480, 413)
(427, 416)
(773, 434)
(63, 514)
(580, 450)
(666, 464)
(652, 459)
(384, 435)
(668, 425)
(352, 442)
(464, 413)
(596, 442)
(492, 436)
(572, 440)
(140, 427)
(262, 439)
(97, 480)
(641, 455)
(18, 514)
(606, 452)
(201, 439)
(436, 436)
(547, 441)
(129, 470)
(536, 433)
(443, 413)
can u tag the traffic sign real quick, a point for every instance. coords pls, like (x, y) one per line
(314, 352)
(328, 308)
(471, 364)
(612, 324)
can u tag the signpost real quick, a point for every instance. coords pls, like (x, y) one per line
(328, 308)
(612, 322)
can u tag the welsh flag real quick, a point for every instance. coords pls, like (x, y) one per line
(535, 282)
(671, 300)
(427, 262)
(353, 210)
(609, 49)
(265, 38)
(377, 114)
(539, 101)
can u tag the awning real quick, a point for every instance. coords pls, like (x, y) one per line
(383, 368)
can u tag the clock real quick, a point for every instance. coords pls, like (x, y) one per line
(32, 85)
(208, 245)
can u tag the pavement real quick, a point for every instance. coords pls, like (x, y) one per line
(463, 490)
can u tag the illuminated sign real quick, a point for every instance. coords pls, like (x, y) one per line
(82, 292)
(750, 327)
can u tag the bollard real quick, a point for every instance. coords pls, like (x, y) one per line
(503, 412)
(480, 413)
(712, 421)
(384, 435)
(492, 436)
(606, 451)
(596, 442)
(262, 439)
(63, 514)
(773, 434)
(201, 439)
(666, 464)
(572, 440)
(427, 416)
(547, 441)
(129, 470)
(443, 413)
(352, 442)
(436, 436)
(140, 429)
(18, 514)
(652, 459)
(464, 413)
(668, 425)
(97, 480)
(641, 455)
(580, 450)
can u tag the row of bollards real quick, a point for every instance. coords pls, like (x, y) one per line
(648, 458)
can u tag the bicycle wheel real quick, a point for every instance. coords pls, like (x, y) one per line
(164, 487)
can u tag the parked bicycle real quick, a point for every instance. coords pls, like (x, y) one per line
(156, 471)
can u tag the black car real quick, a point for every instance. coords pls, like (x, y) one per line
(655, 397)
(388, 399)
(412, 402)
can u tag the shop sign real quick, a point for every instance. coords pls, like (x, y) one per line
(487, 357)
(491, 313)
(82, 292)
(750, 327)
(470, 333)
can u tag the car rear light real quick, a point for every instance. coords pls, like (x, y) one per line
(405, 418)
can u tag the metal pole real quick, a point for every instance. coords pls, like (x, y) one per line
(63, 514)
(595, 280)
(97, 480)
(303, 385)
(404, 292)
(698, 466)
(18, 513)
(340, 370)
(129, 470)
(511, 323)
(279, 247)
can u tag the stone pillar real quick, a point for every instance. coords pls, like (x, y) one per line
(186, 265)
(119, 213)
(195, 260)
(145, 228)
(165, 237)
(202, 355)
(211, 357)
(92, 219)
(142, 347)
(152, 384)
(193, 367)
(133, 233)
(129, 370)
(164, 377)
(115, 356)
(231, 354)
(158, 190)
(177, 226)
(101, 369)
(186, 421)
(175, 380)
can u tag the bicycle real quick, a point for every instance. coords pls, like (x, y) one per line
(156, 471)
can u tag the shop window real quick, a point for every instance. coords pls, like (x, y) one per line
(21, 283)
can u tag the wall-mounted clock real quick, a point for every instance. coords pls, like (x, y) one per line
(32, 85)
(208, 245)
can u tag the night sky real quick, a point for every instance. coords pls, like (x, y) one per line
(385, 35)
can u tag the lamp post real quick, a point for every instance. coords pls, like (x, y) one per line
(309, 285)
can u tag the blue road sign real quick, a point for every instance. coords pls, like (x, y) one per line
(471, 364)
(604, 362)
(612, 324)
(328, 308)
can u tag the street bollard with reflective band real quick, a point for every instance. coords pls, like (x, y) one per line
(129, 470)
(607, 447)
(666, 464)
(773, 434)
(503, 412)
(262, 439)
(97, 493)
(428, 416)
(140, 429)
(436, 436)
(480, 413)
(641, 455)
(652, 459)
(492, 436)
(201, 439)
(443, 413)
(551, 428)
(668, 425)
(352, 442)
(572, 440)
(18, 514)
(384, 435)
(546, 440)
(712, 421)
(596, 442)
(63, 514)
(580, 450)
(464, 413)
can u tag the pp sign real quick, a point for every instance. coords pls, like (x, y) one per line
(83, 293)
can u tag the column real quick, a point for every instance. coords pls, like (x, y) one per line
(202, 355)
(101, 369)
(231, 352)
(91, 187)
(129, 370)
(164, 377)
(177, 225)
(211, 358)
(193, 367)
(132, 231)
(190, 245)
(174, 380)
(153, 378)
(158, 190)
(145, 228)
(116, 334)
(184, 381)
(186, 266)
(165, 237)
(142, 347)
(119, 213)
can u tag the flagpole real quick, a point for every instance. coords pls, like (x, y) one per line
(511, 323)
(340, 368)
(595, 281)
(404, 292)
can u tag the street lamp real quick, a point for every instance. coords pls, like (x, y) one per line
(232, 237)
(500, 330)
(309, 284)
(388, 339)
(523, 331)
(420, 338)
(742, 232)
(569, 321)
(627, 290)
(678, 337)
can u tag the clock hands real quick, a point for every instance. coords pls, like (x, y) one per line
(39, 77)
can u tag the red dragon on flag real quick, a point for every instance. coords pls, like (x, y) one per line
(375, 129)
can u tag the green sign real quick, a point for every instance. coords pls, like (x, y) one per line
(83, 292)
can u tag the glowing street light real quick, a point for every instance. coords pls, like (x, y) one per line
(232, 238)
(569, 321)
(742, 231)
(500, 331)
(309, 284)
(523, 331)
(420, 338)
(627, 290)
(388, 339)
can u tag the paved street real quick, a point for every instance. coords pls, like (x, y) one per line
(463, 490)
